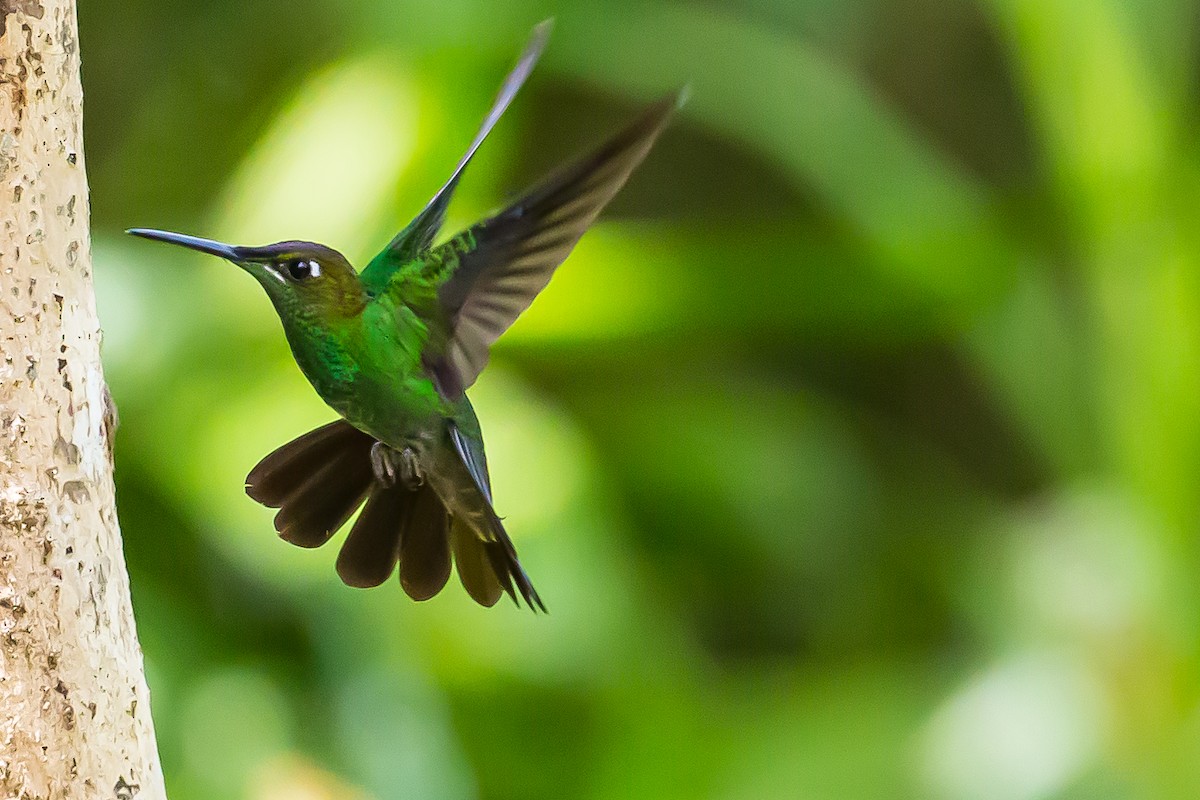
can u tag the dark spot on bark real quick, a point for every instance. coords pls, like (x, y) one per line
(125, 791)
(66, 451)
(66, 35)
(31, 371)
(68, 712)
(72, 158)
(52, 661)
(77, 491)
(112, 420)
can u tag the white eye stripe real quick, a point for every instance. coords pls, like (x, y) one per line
(315, 268)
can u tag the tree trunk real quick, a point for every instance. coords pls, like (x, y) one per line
(74, 708)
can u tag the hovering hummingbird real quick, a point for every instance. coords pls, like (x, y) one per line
(393, 348)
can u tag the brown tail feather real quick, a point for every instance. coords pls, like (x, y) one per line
(425, 546)
(509, 571)
(500, 551)
(475, 569)
(277, 475)
(314, 510)
(372, 548)
(316, 481)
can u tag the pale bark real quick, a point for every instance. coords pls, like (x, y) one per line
(74, 708)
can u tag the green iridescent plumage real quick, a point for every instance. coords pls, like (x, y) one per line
(392, 349)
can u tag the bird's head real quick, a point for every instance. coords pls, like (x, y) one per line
(300, 277)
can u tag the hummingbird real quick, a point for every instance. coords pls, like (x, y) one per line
(393, 349)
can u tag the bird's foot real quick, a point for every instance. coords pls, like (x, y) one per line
(382, 464)
(410, 469)
(389, 464)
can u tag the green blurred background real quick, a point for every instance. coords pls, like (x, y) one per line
(856, 453)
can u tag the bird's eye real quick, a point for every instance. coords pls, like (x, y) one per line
(301, 269)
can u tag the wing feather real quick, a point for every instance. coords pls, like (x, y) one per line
(418, 236)
(493, 270)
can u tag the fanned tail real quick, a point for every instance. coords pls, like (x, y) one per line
(319, 480)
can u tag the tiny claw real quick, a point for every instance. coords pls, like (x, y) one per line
(410, 469)
(389, 464)
(381, 464)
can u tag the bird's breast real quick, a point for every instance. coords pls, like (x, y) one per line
(372, 376)
(329, 365)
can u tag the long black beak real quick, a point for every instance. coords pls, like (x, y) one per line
(235, 254)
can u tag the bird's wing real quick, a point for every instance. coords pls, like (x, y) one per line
(417, 238)
(487, 275)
